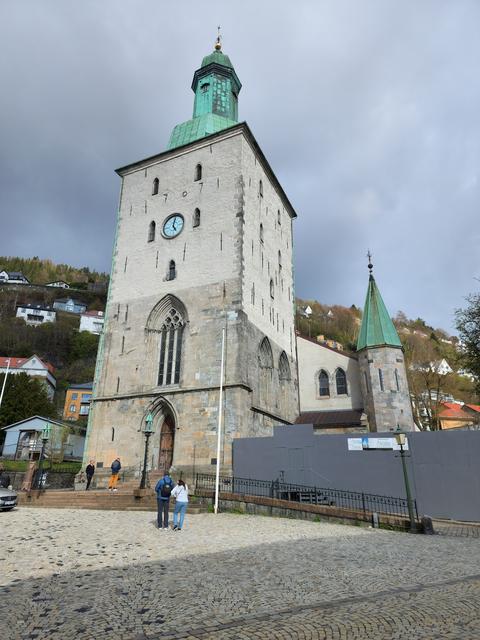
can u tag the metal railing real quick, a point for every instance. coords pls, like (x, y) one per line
(367, 503)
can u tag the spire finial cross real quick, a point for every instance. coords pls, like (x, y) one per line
(370, 265)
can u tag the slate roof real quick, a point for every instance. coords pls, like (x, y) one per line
(337, 418)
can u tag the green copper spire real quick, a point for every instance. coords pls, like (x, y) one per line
(377, 328)
(216, 87)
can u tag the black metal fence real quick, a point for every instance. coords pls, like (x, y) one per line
(50, 479)
(359, 501)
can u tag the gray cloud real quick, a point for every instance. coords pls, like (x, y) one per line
(367, 111)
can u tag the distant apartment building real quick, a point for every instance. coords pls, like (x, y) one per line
(36, 314)
(92, 321)
(34, 367)
(13, 277)
(77, 401)
(70, 305)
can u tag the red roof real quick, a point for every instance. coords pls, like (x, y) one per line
(17, 363)
(453, 411)
(96, 314)
(473, 407)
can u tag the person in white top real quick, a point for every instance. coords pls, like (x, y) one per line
(180, 493)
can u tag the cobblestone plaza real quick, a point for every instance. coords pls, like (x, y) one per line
(109, 574)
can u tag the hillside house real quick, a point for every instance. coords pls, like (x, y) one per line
(92, 321)
(77, 401)
(13, 277)
(70, 305)
(34, 367)
(58, 284)
(35, 314)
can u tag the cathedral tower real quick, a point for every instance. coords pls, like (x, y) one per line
(203, 243)
(383, 375)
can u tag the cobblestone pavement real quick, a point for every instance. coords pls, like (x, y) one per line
(85, 575)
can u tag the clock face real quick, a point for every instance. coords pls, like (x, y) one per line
(173, 225)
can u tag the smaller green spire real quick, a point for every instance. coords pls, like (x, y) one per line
(377, 328)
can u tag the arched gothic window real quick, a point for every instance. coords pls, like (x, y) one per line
(261, 233)
(341, 382)
(265, 355)
(172, 272)
(198, 172)
(171, 334)
(196, 218)
(283, 367)
(260, 189)
(323, 384)
(151, 231)
(156, 182)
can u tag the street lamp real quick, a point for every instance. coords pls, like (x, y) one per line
(45, 438)
(401, 439)
(148, 430)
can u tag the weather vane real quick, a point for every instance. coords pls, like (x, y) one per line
(218, 43)
(370, 265)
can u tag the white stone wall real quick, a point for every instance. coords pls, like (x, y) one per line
(312, 358)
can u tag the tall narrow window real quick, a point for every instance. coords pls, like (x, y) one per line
(155, 185)
(123, 344)
(341, 382)
(198, 172)
(171, 336)
(196, 218)
(172, 272)
(283, 367)
(113, 434)
(380, 378)
(397, 380)
(260, 189)
(272, 289)
(280, 262)
(261, 233)
(323, 384)
(366, 382)
(279, 217)
(151, 231)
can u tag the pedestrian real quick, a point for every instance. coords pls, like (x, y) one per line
(89, 470)
(163, 489)
(4, 478)
(115, 467)
(180, 493)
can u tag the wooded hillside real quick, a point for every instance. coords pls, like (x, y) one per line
(42, 271)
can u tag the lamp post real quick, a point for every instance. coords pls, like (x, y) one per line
(401, 439)
(45, 438)
(148, 430)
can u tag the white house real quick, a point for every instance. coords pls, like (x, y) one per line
(34, 367)
(92, 321)
(36, 314)
(59, 284)
(23, 440)
(13, 277)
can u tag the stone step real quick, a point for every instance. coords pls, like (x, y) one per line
(97, 500)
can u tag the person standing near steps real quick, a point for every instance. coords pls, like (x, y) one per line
(163, 489)
(180, 493)
(115, 467)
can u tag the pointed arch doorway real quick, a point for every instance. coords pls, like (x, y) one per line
(167, 442)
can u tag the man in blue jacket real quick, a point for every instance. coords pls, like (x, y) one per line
(163, 489)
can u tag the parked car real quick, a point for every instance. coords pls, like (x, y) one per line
(8, 499)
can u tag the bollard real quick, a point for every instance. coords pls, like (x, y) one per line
(427, 526)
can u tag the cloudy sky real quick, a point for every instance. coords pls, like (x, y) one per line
(368, 111)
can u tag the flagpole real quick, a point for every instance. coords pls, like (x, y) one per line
(219, 428)
(4, 382)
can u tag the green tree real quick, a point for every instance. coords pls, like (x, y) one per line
(24, 397)
(468, 327)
